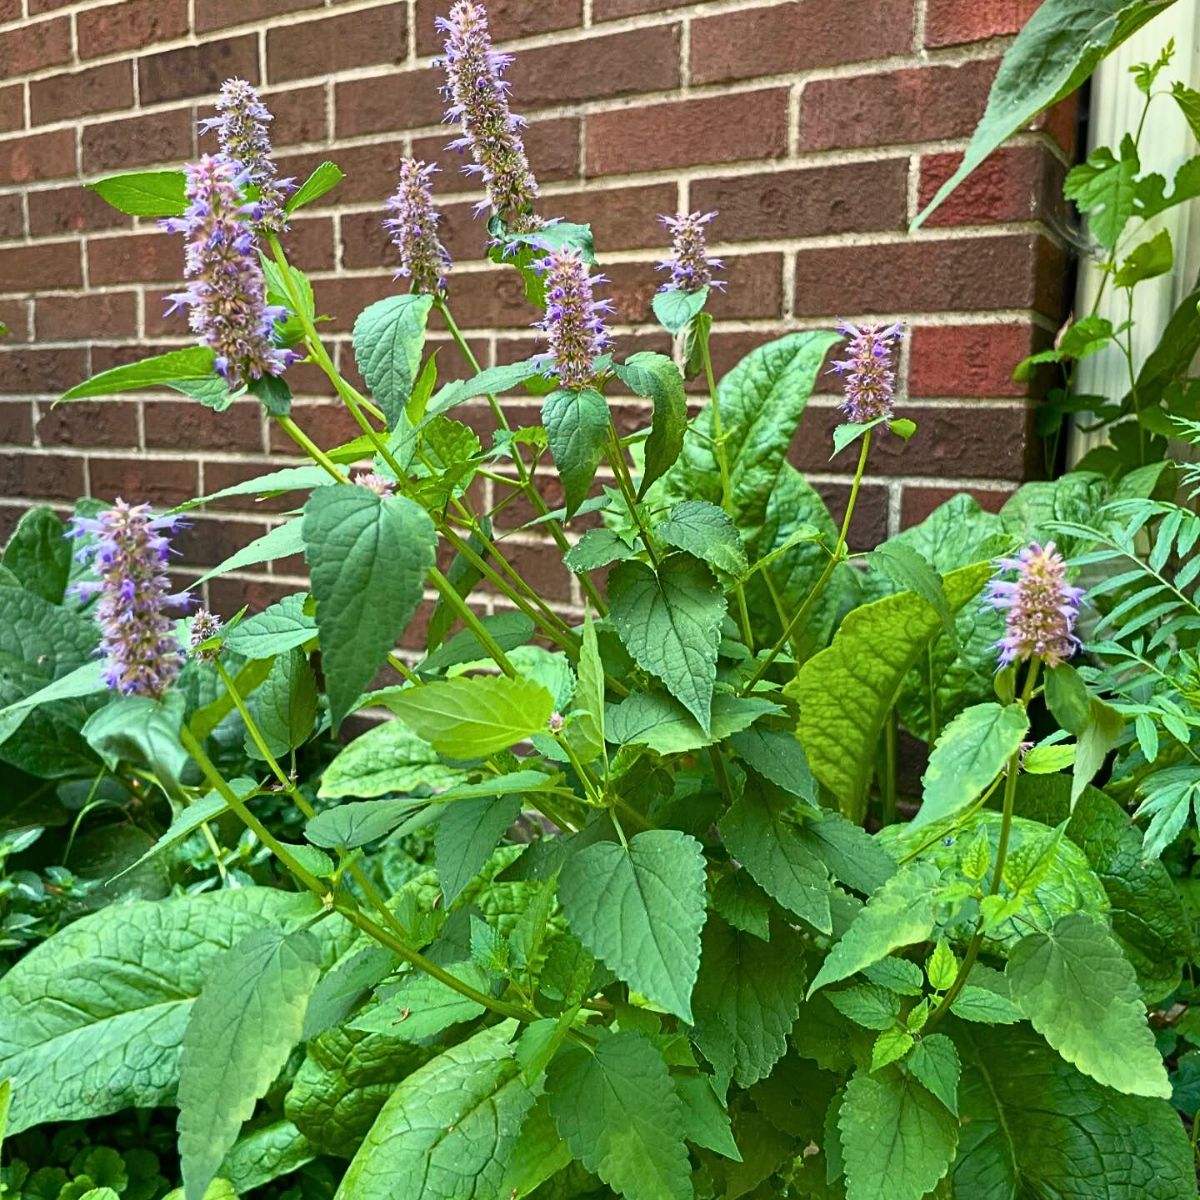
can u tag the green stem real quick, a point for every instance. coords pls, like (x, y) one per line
(616, 460)
(466, 614)
(310, 448)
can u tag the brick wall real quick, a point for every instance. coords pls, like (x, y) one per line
(817, 127)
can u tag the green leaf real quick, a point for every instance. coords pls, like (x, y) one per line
(466, 836)
(910, 572)
(897, 1139)
(241, 1030)
(577, 425)
(597, 548)
(868, 1005)
(448, 1130)
(759, 831)
(284, 706)
(847, 435)
(39, 553)
(967, 758)
(846, 691)
(1034, 1126)
(368, 556)
(389, 339)
(142, 731)
(323, 179)
(942, 967)
(747, 999)
(852, 855)
(538, 1155)
(674, 307)
(1153, 257)
(5, 1103)
(388, 758)
(777, 756)
(196, 362)
(264, 1154)
(79, 1044)
(1097, 738)
(897, 915)
(1081, 994)
(708, 533)
(656, 377)
(586, 731)
(273, 483)
(1058, 49)
(1152, 199)
(282, 627)
(934, 1061)
(670, 622)
(705, 1120)
(640, 909)
(985, 1006)
(144, 193)
(662, 723)
(1103, 187)
(282, 541)
(621, 1116)
(890, 1045)
(474, 716)
(1067, 698)
(422, 1007)
(507, 629)
(741, 902)
(85, 680)
(489, 382)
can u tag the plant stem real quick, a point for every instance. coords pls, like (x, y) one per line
(467, 615)
(310, 448)
(616, 460)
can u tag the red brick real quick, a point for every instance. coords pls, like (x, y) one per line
(797, 36)
(747, 126)
(204, 542)
(357, 39)
(218, 14)
(138, 141)
(10, 10)
(552, 145)
(755, 289)
(41, 372)
(98, 89)
(506, 19)
(968, 360)
(12, 108)
(36, 7)
(917, 501)
(16, 422)
(299, 115)
(952, 22)
(916, 104)
(541, 566)
(617, 64)
(135, 258)
(38, 156)
(309, 244)
(15, 314)
(71, 209)
(188, 425)
(1017, 183)
(105, 357)
(1016, 271)
(97, 315)
(130, 25)
(230, 592)
(809, 202)
(328, 423)
(220, 475)
(108, 423)
(869, 525)
(45, 265)
(609, 10)
(370, 171)
(12, 220)
(166, 481)
(397, 101)
(32, 46)
(42, 476)
(623, 218)
(197, 70)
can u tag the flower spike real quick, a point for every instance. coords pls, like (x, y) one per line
(869, 369)
(423, 258)
(574, 322)
(690, 265)
(1040, 608)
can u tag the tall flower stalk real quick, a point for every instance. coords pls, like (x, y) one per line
(869, 370)
(574, 323)
(690, 264)
(1040, 608)
(423, 259)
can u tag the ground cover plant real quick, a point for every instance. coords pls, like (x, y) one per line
(639, 904)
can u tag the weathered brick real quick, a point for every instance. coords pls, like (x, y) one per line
(219, 14)
(45, 265)
(135, 258)
(328, 423)
(309, 244)
(162, 481)
(755, 288)
(174, 423)
(15, 314)
(610, 10)
(506, 19)
(968, 360)
(12, 219)
(10, 10)
(1017, 183)
(355, 39)
(16, 422)
(38, 156)
(299, 115)
(399, 100)
(34, 45)
(918, 501)
(953, 22)
(810, 202)
(40, 371)
(12, 107)
(552, 145)
(97, 89)
(130, 25)
(36, 7)
(797, 36)
(914, 104)
(42, 476)
(616, 64)
(110, 425)
(205, 541)
(1012, 271)
(869, 525)
(197, 70)
(623, 218)
(98, 315)
(164, 137)
(71, 209)
(718, 129)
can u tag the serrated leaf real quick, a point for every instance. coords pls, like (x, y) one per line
(368, 556)
(708, 533)
(597, 548)
(941, 967)
(286, 479)
(323, 179)
(466, 836)
(421, 1006)
(281, 541)
(1081, 994)
(196, 362)
(640, 909)
(662, 723)
(670, 622)
(389, 339)
(577, 425)
(890, 1045)
(489, 382)
(868, 1005)
(276, 630)
(388, 758)
(705, 1120)
(144, 193)
(934, 1061)
(674, 307)
(1103, 188)
(657, 378)
(283, 706)
(985, 1007)
(264, 1154)
(38, 553)
(778, 757)
(239, 1035)
(621, 1116)
(741, 902)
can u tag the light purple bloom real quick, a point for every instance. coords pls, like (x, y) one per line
(205, 625)
(574, 321)
(129, 553)
(478, 102)
(242, 134)
(423, 258)
(226, 295)
(381, 485)
(869, 369)
(690, 265)
(1040, 608)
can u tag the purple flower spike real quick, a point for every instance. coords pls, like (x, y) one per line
(690, 266)
(423, 258)
(242, 134)
(381, 485)
(205, 625)
(869, 369)
(138, 639)
(574, 321)
(1040, 607)
(478, 102)
(226, 296)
